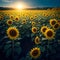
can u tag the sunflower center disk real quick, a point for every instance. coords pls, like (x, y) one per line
(53, 22)
(44, 29)
(10, 22)
(13, 33)
(56, 26)
(35, 53)
(49, 33)
(34, 30)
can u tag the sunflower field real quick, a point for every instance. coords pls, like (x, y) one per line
(30, 34)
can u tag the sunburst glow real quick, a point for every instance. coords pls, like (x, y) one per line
(20, 6)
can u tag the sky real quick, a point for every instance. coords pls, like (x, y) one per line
(31, 3)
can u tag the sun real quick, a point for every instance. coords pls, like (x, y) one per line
(20, 6)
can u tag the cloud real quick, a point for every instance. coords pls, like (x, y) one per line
(10, 0)
(7, 0)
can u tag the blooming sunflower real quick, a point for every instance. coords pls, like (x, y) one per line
(37, 40)
(11, 17)
(35, 16)
(1, 17)
(33, 23)
(49, 33)
(35, 52)
(58, 22)
(23, 21)
(9, 22)
(17, 18)
(43, 29)
(34, 30)
(31, 18)
(53, 22)
(56, 26)
(12, 33)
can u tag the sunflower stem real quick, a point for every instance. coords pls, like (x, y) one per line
(13, 49)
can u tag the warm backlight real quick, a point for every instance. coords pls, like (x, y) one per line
(20, 6)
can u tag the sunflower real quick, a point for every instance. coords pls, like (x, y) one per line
(23, 21)
(31, 18)
(56, 26)
(34, 30)
(9, 22)
(43, 29)
(33, 23)
(12, 33)
(35, 16)
(11, 17)
(17, 18)
(37, 40)
(49, 33)
(1, 17)
(35, 52)
(58, 22)
(53, 22)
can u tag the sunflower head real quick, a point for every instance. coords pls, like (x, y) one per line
(9, 22)
(34, 30)
(35, 52)
(31, 18)
(12, 33)
(49, 33)
(11, 17)
(1, 17)
(33, 23)
(23, 21)
(56, 26)
(43, 29)
(58, 22)
(17, 18)
(37, 40)
(53, 22)
(35, 16)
